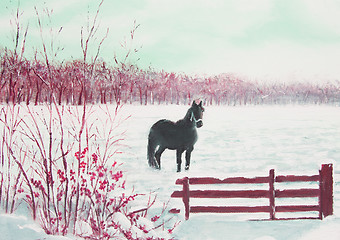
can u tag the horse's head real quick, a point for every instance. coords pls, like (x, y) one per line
(197, 113)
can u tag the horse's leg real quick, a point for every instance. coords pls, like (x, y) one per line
(179, 159)
(158, 156)
(187, 157)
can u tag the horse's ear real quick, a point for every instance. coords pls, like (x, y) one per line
(197, 102)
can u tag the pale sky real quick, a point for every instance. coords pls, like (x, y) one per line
(260, 39)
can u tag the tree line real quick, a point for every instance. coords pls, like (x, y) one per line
(35, 81)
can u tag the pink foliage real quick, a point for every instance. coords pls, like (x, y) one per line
(128, 84)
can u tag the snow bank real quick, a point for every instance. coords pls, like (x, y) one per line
(13, 227)
(329, 229)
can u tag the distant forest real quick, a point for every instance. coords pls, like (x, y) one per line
(35, 82)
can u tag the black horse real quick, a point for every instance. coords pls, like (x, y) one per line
(180, 136)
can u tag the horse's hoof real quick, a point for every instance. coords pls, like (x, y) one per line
(186, 168)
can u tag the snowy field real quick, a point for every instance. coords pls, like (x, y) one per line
(242, 141)
(234, 141)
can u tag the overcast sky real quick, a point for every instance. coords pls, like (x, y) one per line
(260, 39)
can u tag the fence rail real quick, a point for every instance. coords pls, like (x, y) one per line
(324, 193)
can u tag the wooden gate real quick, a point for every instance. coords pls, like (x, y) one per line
(324, 193)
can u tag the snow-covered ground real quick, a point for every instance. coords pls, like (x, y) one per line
(242, 141)
(234, 141)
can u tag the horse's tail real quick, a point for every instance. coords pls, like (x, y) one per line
(151, 151)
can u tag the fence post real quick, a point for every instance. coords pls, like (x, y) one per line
(272, 194)
(320, 196)
(186, 196)
(326, 189)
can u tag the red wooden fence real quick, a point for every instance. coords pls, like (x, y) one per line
(324, 194)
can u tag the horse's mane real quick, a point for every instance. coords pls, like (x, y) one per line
(187, 116)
